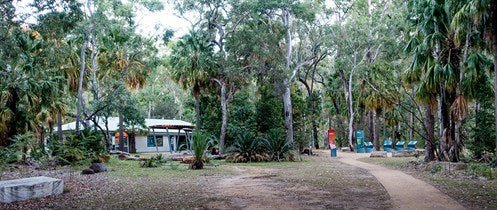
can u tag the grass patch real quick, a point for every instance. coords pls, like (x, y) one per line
(266, 164)
(171, 169)
(395, 163)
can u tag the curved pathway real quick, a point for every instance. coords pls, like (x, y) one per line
(405, 191)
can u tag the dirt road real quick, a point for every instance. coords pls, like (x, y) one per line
(406, 192)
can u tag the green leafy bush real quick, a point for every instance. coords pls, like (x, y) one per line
(481, 169)
(150, 163)
(153, 162)
(160, 158)
(435, 168)
(86, 147)
(24, 146)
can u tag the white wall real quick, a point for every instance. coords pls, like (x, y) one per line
(141, 145)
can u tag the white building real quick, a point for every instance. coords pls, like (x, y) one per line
(170, 135)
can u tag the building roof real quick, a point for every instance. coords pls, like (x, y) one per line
(159, 125)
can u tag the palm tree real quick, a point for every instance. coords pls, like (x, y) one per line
(190, 63)
(382, 95)
(480, 17)
(436, 67)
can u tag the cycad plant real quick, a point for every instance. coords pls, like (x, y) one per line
(276, 145)
(247, 148)
(201, 142)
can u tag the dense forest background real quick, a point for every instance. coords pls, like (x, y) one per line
(284, 70)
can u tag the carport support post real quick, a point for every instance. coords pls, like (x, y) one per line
(155, 141)
(177, 138)
(169, 141)
(187, 141)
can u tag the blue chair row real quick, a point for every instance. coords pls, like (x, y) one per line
(399, 146)
(411, 145)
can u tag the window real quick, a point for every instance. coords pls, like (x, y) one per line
(151, 141)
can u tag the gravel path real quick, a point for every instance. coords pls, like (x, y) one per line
(405, 191)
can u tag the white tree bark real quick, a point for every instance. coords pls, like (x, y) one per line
(224, 113)
(287, 98)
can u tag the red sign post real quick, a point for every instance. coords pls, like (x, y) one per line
(332, 138)
(332, 141)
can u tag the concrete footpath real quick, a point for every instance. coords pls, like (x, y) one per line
(405, 191)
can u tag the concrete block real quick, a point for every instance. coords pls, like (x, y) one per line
(378, 154)
(405, 153)
(28, 188)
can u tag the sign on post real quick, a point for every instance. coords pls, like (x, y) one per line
(332, 138)
(332, 141)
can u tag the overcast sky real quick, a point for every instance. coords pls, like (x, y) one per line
(148, 23)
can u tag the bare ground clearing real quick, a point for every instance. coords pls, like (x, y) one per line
(316, 183)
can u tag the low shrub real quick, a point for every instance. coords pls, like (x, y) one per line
(482, 170)
(86, 147)
(435, 168)
(160, 158)
(150, 163)
(201, 142)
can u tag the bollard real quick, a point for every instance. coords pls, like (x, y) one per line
(333, 152)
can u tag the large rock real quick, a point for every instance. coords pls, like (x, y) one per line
(345, 149)
(98, 167)
(188, 160)
(87, 171)
(378, 154)
(177, 157)
(28, 188)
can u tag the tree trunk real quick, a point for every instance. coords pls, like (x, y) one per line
(430, 132)
(494, 44)
(376, 130)
(315, 134)
(149, 114)
(287, 104)
(287, 97)
(59, 127)
(458, 121)
(196, 91)
(351, 129)
(411, 120)
(371, 126)
(79, 105)
(440, 116)
(384, 127)
(121, 132)
(132, 141)
(351, 114)
(13, 122)
(108, 141)
(224, 117)
(42, 138)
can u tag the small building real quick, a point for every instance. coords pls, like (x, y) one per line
(159, 135)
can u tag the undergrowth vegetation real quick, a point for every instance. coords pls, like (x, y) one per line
(271, 146)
